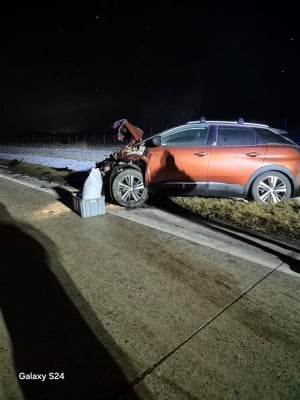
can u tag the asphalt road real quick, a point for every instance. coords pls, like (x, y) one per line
(141, 304)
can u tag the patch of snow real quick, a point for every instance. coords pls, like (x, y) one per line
(71, 157)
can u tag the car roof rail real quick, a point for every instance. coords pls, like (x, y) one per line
(240, 121)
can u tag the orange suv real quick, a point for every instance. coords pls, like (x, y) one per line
(203, 158)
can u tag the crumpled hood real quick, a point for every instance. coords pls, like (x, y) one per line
(123, 126)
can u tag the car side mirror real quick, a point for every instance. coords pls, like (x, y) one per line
(154, 142)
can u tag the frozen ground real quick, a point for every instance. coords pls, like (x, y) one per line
(60, 156)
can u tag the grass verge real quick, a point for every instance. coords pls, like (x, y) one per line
(49, 174)
(278, 220)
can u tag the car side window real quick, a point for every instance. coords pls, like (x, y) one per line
(186, 137)
(272, 137)
(232, 136)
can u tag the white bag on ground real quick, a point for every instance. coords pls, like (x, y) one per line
(92, 187)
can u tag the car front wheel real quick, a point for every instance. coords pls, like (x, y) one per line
(271, 187)
(128, 188)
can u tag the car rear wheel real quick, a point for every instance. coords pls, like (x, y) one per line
(128, 188)
(271, 187)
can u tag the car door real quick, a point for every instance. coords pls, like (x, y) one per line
(181, 161)
(235, 155)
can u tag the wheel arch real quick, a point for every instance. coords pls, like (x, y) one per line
(141, 166)
(269, 168)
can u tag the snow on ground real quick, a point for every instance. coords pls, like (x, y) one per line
(60, 156)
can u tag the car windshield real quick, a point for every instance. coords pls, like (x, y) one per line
(272, 137)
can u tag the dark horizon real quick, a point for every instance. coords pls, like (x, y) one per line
(66, 72)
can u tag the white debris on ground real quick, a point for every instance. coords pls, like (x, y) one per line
(61, 156)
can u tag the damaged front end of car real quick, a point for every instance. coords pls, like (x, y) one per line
(123, 172)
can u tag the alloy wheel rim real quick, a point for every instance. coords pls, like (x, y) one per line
(272, 189)
(131, 188)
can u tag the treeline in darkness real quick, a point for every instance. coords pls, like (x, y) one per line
(71, 138)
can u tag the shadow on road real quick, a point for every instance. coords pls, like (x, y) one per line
(65, 196)
(47, 331)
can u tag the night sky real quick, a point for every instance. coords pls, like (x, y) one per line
(68, 70)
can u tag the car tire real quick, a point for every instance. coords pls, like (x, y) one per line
(271, 187)
(128, 188)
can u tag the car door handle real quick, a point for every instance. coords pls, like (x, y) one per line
(252, 154)
(201, 154)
